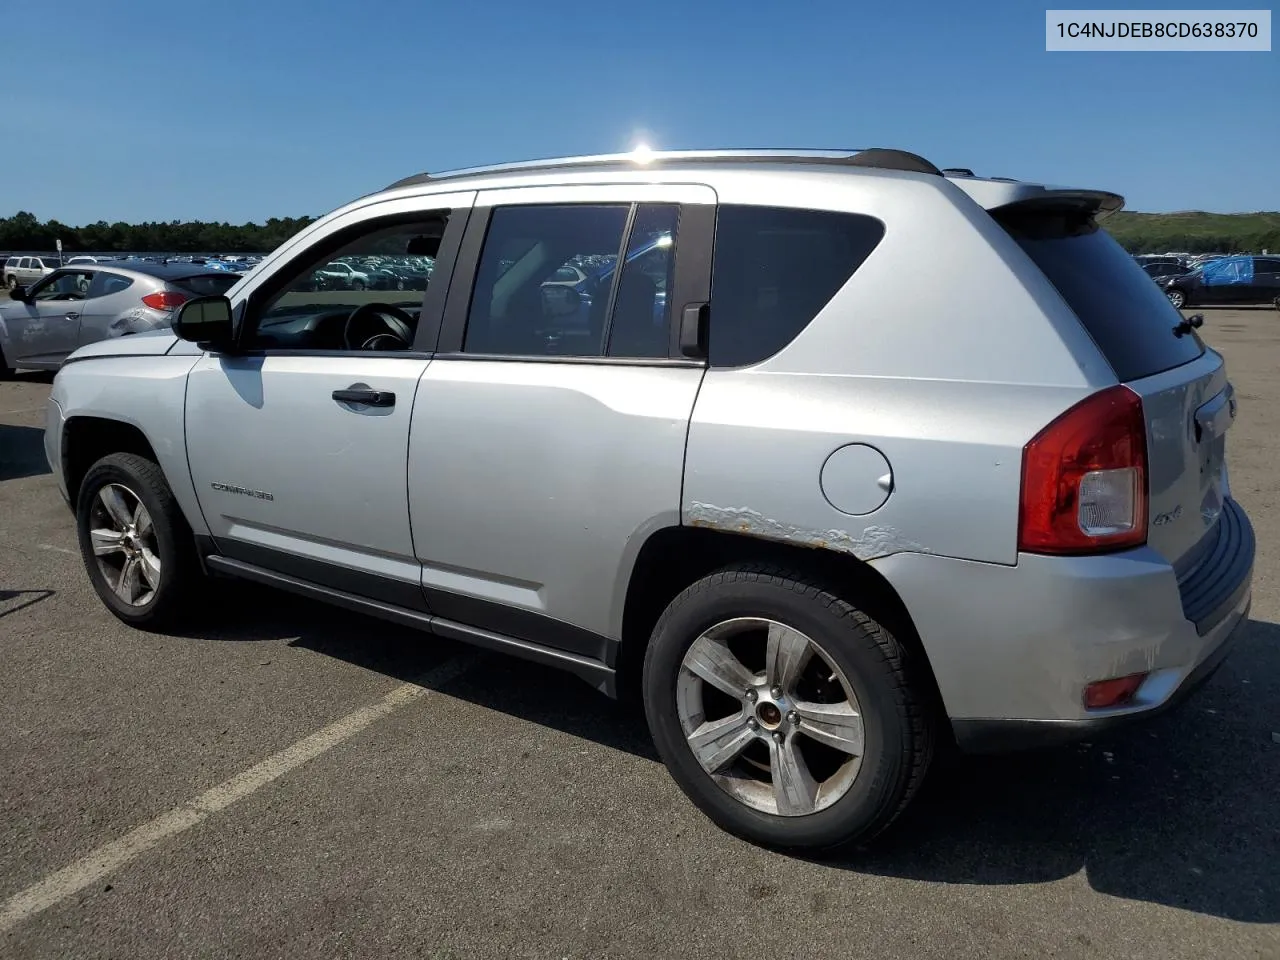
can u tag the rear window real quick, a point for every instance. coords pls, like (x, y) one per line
(774, 269)
(1128, 316)
(210, 284)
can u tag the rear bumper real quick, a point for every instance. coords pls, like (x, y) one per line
(1013, 647)
(1005, 736)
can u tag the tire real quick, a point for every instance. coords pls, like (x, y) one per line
(862, 797)
(1276, 302)
(160, 599)
(357, 284)
(11, 282)
(1177, 298)
(6, 372)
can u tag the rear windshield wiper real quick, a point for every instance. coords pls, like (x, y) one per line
(1194, 322)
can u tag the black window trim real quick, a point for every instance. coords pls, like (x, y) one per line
(691, 284)
(428, 329)
(619, 267)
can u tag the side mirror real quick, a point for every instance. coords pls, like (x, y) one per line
(206, 321)
(18, 293)
(560, 301)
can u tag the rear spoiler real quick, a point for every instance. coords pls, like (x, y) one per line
(993, 195)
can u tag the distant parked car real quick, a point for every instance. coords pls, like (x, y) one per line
(1226, 280)
(25, 271)
(1162, 268)
(342, 276)
(75, 305)
(87, 258)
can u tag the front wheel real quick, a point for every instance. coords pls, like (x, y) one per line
(786, 714)
(11, 282)
(135, 542)
(1177, 298)
(357, 284)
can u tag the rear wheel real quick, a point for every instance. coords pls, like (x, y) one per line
(1177, 298)
(6, 372)
(1276, 301)
(135, 542)
(11, 282)
(786, 714)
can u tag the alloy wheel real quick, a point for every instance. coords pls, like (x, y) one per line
(770, 717)
(124, 544)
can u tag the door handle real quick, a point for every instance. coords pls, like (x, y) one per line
(368, 398)
(72, 316)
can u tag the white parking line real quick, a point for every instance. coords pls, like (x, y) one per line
(50, 546)
(111, 856)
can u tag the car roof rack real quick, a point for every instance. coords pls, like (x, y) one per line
(881, 158)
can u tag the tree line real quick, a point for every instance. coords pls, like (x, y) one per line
(1193, 232)
(24, 231)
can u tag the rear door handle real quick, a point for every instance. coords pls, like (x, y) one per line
(368, 398)
(73, 316)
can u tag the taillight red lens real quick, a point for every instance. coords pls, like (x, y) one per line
(165, 300)
(1112, 693)
(1084, 478)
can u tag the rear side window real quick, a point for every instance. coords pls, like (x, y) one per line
(1128, 316)
(774, 269)
(104, 284)
(210, 284)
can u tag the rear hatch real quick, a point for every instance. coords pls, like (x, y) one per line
(1188, 402)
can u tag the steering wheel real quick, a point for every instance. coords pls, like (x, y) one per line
(389, 328)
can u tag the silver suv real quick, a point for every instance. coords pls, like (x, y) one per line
(26, 271)
(822, 511)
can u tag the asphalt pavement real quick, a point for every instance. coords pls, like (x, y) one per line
(294, 781)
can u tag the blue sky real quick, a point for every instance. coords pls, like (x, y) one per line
(236, 111)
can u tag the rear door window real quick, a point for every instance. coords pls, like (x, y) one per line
(104, 284)
(774, 269)
(1128, 316)
(516, 308)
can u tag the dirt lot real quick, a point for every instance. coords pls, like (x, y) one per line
(422, 799)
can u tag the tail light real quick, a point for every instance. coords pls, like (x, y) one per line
(165, 300)
(1084, 478)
